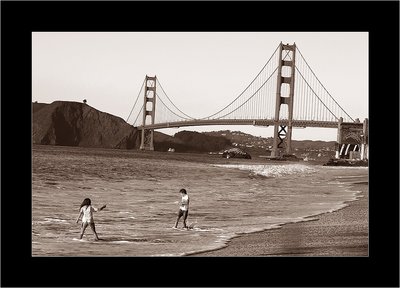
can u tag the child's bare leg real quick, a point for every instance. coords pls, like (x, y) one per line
(184, 218)
(83, 228)
(94, 231)
(179, 217)
(177, 220)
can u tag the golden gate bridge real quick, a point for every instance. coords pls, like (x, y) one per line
(285, 93)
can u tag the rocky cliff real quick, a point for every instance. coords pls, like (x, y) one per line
(77, 124)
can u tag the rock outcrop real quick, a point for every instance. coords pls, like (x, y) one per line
(78, 124)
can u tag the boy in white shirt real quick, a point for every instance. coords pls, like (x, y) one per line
(183, 208)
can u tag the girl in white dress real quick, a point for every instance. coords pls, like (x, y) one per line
(86, 210)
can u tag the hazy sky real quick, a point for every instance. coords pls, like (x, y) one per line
(201, 72)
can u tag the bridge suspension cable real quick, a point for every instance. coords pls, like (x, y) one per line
(136, 123)
(164, 112)
(320, 91)
(134, 105)
(165, 108)
(250, 98)
(266, 69)
(311, 100)
(187, 116)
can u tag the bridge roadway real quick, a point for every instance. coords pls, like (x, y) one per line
(254, 122)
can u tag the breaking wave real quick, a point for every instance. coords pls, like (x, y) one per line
(273, 170)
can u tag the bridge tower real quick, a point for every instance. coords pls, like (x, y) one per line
(286, 72)
(149, 109)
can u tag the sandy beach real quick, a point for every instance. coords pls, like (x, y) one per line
(340, 233)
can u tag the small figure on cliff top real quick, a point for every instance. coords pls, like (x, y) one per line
(86, 210)
(183, 208)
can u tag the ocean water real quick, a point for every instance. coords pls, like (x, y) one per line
(228, 197)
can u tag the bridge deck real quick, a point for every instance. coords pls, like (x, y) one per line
(254, 122)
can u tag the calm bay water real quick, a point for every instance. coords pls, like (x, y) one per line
(228, 197)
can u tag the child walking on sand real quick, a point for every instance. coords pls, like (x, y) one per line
(183, 209)
(87, 210)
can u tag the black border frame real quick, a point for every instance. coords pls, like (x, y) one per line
(19, 19)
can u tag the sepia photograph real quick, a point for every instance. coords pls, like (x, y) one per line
(200, 144)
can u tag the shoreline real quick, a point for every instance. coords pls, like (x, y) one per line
(343, 232)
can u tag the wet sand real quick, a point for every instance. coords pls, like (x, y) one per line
(340, 233)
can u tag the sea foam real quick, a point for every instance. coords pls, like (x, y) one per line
(273, 170)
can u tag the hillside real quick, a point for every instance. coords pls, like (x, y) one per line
(78, 124)
(189, 141)
(261, 146)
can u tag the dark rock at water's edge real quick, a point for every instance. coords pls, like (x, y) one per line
(347, 162)
(78, 124)
(235, 153)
